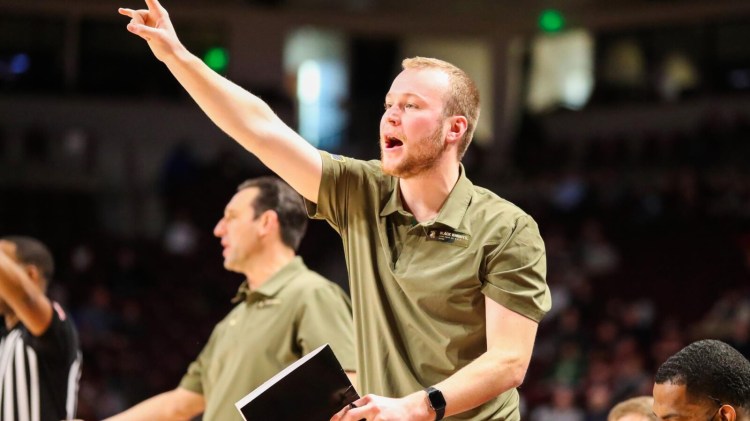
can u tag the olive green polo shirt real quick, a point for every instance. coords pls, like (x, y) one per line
(418, 289)
(289, 315)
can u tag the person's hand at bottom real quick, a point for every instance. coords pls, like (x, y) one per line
(379, 408)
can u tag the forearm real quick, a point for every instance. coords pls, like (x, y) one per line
(13, 287)
(490, 375)
(238, 112)
(27, 299)
(168, 406)
(486, 377)
(510, 342)
(249, 121)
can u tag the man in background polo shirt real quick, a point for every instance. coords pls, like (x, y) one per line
(284, 310)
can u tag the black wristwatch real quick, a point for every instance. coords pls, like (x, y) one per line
(437, 402)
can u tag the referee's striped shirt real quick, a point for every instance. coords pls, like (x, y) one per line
(39, 374)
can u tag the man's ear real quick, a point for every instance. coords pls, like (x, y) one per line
(727, 413)
(269, 221)
(456, 129)
(36, 276)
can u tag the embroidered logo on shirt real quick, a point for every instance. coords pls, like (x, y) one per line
(451, 237)
(268, 302)
(338, 158)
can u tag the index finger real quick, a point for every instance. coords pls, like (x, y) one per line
(137, 16)
(355, 413)
(125, 11)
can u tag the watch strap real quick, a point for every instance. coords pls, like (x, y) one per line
(436, 401)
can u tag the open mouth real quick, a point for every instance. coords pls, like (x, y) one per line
(392, 142)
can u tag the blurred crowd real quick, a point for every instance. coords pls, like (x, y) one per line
(648, 249)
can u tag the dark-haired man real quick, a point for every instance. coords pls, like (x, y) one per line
(40, 358)
(706, 380)
(284, 310)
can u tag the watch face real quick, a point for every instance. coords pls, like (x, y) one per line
(436, 399)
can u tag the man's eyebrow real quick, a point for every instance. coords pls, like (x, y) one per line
(405, 94)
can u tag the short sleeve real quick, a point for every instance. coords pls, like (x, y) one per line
(332, 193)
(59, 340)
(344, 186)
(52, 339)
(516, 272)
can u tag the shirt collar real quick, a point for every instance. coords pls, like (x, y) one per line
(394, 203)
(273, 285)
(453, 210)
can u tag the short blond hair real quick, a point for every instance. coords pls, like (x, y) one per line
(463, 98)
(642, 405)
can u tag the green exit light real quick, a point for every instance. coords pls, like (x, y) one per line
(217, 58)
(551, 20)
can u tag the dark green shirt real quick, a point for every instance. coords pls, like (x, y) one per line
(418, 289)
(291, 314)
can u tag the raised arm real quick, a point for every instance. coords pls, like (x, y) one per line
(176, 405)
(24, 296)
(242, 115)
